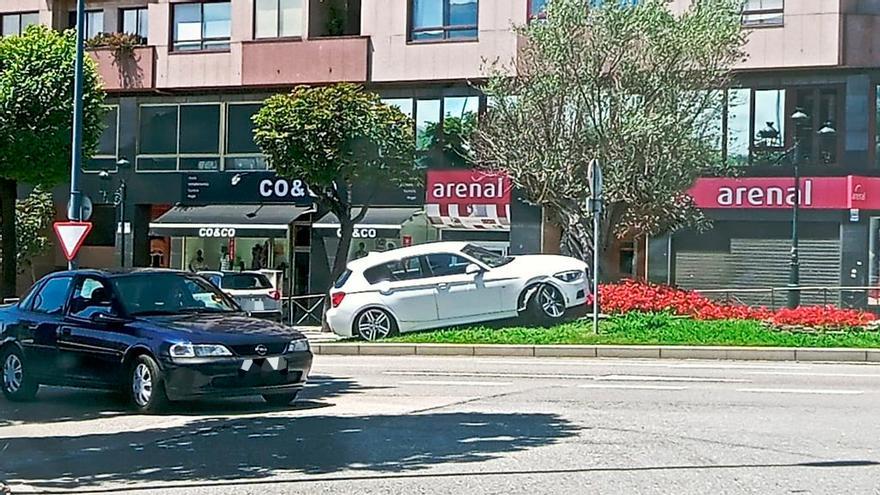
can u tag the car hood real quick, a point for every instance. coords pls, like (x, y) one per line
(231, 329)
(542, 264)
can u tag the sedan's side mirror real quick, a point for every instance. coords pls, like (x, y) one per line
(473, 269)
(107, 319)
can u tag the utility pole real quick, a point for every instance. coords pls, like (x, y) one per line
(74, 207)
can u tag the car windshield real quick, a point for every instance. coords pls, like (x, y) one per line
(489, 258)
(245, 281)
(144, 294)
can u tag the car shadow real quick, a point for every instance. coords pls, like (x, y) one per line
(57, 405)
(253, 448)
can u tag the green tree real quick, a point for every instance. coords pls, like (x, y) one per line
(33, 225)
(36, 117)
(638, 88)
(334, 137)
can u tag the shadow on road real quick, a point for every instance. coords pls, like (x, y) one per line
(56, 405)
(252, 448)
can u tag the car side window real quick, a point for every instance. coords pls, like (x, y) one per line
(52, 296)
(395, 271)
(90, 296)
(443, 264)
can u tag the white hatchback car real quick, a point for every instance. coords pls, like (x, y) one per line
(253, 291)
(451, 283)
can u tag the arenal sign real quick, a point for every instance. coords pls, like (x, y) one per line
(830, 193)
(243, 188)
(468, 199)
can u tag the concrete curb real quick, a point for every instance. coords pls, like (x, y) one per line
(843, 355)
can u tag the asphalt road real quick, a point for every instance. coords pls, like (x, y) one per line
(468, 425)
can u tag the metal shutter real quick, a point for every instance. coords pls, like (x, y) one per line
(761, 264)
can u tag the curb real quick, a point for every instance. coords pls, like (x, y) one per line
(844, 355)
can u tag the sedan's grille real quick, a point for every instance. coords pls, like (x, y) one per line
(272, 349)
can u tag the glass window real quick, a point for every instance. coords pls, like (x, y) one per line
(240, 129)
(15, 24)
(202, 26)
(199, 129)
(395, 271)
(91, 296)
(770, 115)
(537, 8)
(434, 20)
(278, 18)
(427, 120)
(94, 22)
(460, 106)
(136, 21)
(169, 293)
(158, 130)
(245, 281)
(405, 105)
(108, 144)
(763, 13)
(443, 264)
(52, 296)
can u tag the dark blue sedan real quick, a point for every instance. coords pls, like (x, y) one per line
(157, 335)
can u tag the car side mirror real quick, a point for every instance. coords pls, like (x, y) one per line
(107, 319)
(473, 269)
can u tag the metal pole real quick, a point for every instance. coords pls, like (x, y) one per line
(123, 189)
(291, 259)
(74, 208)
(596, 247)
(794, 295)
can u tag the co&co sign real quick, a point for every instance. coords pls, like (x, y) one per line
(216, 232)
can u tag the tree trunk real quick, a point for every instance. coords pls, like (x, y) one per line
(346, 229)
(8, 246)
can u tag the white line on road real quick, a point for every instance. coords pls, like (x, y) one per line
(630, 387)
(456, 384)
(830, 375)
(647, 378)
(489, 375)
(799, 391)
(614, 363)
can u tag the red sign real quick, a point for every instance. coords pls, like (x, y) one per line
(831, 193)
(467, 186)
(407, 241)
(71, 236)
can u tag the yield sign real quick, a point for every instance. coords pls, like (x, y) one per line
(72, 235)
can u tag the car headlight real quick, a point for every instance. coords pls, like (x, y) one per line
(298, 345)
(569, 275)
(187, 350)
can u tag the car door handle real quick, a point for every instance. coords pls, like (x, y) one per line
(443, 286)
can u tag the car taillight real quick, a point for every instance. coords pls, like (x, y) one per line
(336, 298)
(274, 294)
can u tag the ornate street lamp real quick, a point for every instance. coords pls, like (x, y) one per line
(119, 199)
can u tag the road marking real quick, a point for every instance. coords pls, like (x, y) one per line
(456, 384)
(464, 374)
(613, 363)
(832, 375)
(648, 378)
(631, 387)
(799, 391)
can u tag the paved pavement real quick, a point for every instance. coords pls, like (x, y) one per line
(474, 425)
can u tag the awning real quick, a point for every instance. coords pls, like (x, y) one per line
(469, 216)
(377, 218)
(227, 220)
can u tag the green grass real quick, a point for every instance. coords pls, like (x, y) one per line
(647, 329)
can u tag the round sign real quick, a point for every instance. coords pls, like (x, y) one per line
(86, 208)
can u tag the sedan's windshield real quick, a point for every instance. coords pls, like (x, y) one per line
(493, 260)
(169, 293)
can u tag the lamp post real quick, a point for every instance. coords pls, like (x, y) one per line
(120, 197)
(74, 207)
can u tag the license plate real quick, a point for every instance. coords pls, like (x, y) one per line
(259, 305)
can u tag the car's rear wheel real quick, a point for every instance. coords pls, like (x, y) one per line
(145, 385)
(547, 305)
(280, 400)
(18, 383)
(375, 324)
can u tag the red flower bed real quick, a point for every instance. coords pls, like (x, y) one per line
(631, 295)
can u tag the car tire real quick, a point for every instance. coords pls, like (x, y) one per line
(280, 400)
(374, 324)
(146, 388)
(17, 383)
(546, 305)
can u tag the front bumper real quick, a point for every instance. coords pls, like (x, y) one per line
(236, 376)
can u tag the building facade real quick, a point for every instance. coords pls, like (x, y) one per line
(179, 121)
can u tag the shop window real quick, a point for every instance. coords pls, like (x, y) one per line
(199, 129)
(739, 104)
(202, 26)
(440, 20)
(427, 121)
(278, 18)
(158, 130)
(763, 13)
(135, 21)
(405, 105)
(191, 131)
(460, 106)
(769, 125)
(242, 153)
(94, 22)
(15, 24)
(627, 259)
(108, 146)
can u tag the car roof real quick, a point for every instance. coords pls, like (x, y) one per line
(114, 272)
(377, 258)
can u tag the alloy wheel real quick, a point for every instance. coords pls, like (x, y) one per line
(142, 384)
(13, 373)
(374, 324)
(551, 302)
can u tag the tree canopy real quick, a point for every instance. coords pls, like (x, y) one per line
(635, 87)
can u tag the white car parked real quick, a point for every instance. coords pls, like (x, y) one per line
(450, 283)
(253, 291)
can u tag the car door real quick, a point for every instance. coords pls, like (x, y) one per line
(462, 296)
(405, 289)
(91, 352)
(39, 326)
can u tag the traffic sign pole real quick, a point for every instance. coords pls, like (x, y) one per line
(75, 207)
(595, 207)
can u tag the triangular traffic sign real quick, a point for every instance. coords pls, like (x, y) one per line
(72, 235)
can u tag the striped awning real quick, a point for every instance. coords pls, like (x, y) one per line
(469, 216)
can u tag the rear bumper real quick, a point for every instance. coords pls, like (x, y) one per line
(236, 377)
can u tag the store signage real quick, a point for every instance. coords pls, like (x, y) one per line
(243, 188)
(468, 186)
(360, 233)
(841, 193)
(216, 232)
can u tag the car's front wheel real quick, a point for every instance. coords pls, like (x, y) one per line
(280, 400)
(145, 385)
(547, 305)
(18, 383)
(374, 324)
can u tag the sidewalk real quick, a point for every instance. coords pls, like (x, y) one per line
(316, 336)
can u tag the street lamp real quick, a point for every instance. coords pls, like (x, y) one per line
(800, 120)
(119, 200)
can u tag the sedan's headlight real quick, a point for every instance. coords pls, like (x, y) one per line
(569, 275)
(298, 345)
(187, 350)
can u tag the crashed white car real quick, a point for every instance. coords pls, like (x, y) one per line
(451, 283)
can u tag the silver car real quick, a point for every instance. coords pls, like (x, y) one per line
(253, 291)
